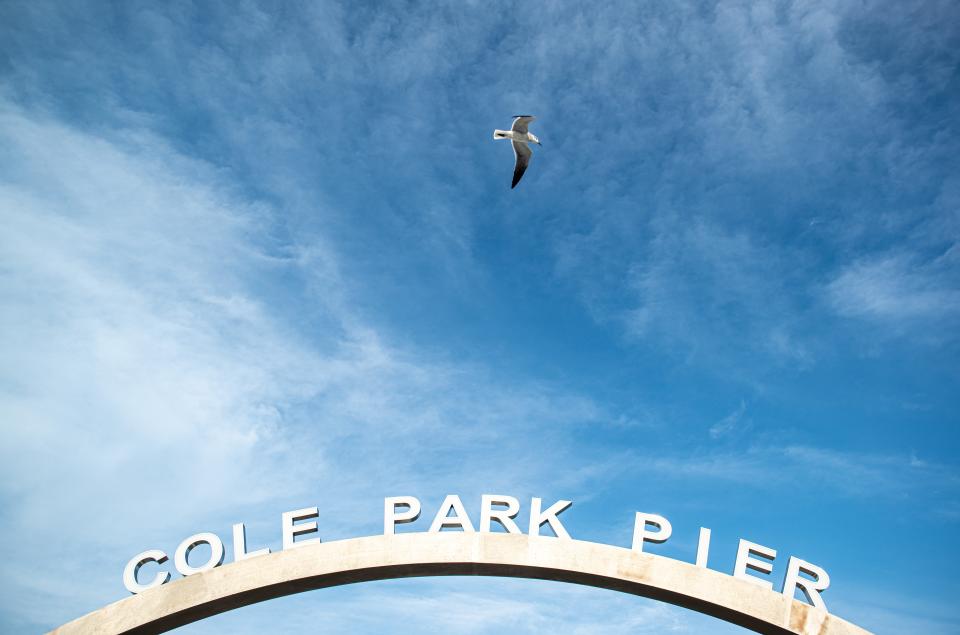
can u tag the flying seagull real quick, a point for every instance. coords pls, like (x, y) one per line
(521, 139)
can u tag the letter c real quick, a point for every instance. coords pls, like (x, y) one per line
(133, 568)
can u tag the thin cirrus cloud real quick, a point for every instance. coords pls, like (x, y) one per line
(843, 474)
(731, 423)
(478, 606)
(136, 345)
(702, 288)
(725, 238)
(900, 290)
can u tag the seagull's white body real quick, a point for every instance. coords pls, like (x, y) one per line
(520, 139)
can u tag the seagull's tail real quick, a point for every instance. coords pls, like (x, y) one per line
(501, 134)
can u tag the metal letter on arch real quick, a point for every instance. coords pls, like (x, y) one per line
(329, 564)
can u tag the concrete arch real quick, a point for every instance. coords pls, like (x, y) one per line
(320, 565)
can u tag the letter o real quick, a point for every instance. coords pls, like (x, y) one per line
(183, 553)
(133, 567)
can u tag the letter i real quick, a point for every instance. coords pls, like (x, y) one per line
(703, 547)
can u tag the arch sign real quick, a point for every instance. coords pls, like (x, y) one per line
(306, 563)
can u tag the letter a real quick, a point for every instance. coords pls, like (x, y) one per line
(459, 518)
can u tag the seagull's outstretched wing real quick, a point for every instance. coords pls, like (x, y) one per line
(523, 152)
(520, 123)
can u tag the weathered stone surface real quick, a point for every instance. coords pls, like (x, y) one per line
(453, 553)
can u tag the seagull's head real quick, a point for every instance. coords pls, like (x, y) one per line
(533, 138)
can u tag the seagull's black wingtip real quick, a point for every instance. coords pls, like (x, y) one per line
(515, 116)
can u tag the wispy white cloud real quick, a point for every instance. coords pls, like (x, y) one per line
(841, 473)
(730, 423)
(709, 265)
(130, 338)
(711, 290)
(890, 610)
(146, 364)
(899, 289)
(474, 606)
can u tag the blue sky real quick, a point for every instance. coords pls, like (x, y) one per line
(256, 259)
